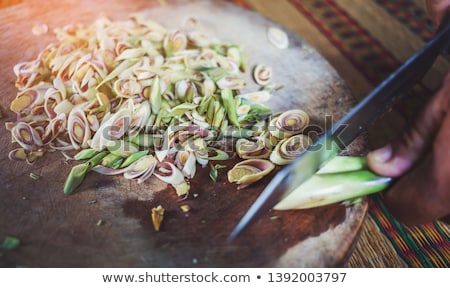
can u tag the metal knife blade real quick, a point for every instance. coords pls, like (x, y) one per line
(348, 128)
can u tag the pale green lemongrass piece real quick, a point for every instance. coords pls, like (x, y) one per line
(85, 154)
(132, 53)
(233, 132)
(117, 164)
(219, 115)
(217, 73)
(117, 70)
(155, 95)
(234, 52)
(133, 158)
(182, 108)
(324, 189)
(204, 104)
(249, 171)
(230, 108)
(78, 172)
(210, 112)
(144, 140)
(218, 154)
(122, 148)
(110, 159)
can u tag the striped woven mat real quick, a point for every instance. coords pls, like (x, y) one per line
(365, 41)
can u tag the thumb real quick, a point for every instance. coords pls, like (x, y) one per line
(395, 159)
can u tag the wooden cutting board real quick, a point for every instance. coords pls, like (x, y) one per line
(57, 230)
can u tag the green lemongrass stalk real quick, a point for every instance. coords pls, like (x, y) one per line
(133, 158)
(110, 159)
(85, 154)
(78, 172)
(228, 103)
(122, 148)
(155, 95)
(340, 183)
(234, 132)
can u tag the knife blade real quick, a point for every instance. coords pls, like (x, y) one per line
(341, 134)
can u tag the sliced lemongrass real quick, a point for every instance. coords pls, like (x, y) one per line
(175, 175)
(109, 170)
(182, 189)
(144, 166)
(248, 149)
(289, 123)
(110, 159)
(18, 154)
(288, 149)
(78, 173)
(231, 82)
(230, 108)
(182, 108)
(277, 37)
(35, 176)
(157, 217)
(133, 158)
(217, 154)
(175, 41)
(33, 156)
(249, 171)
(117, 70)
(141, 113)
(64, 106)
(155, 95)
(262, 74)
(185, 208)
(78, 129)
(122, 148)
(213, 173)
(112, 128)
(85, 154)
(257, 96)
(186, 161)
(235, 53)
(219, 115)
(26, 136)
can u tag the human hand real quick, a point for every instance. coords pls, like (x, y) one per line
(421, 156)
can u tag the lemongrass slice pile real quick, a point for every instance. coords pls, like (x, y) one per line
(137, 99)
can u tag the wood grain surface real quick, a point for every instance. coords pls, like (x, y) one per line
(57, 230)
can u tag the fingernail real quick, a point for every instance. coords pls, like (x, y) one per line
(382, 154)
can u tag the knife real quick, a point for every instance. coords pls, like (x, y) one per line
(341, 134)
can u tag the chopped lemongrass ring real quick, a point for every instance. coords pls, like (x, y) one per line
(278, 38)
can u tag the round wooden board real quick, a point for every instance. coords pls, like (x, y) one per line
(57, 230)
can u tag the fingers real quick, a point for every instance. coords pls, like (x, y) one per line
(423, 193)
(437, 9)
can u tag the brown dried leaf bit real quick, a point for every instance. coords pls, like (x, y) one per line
(157, 217)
